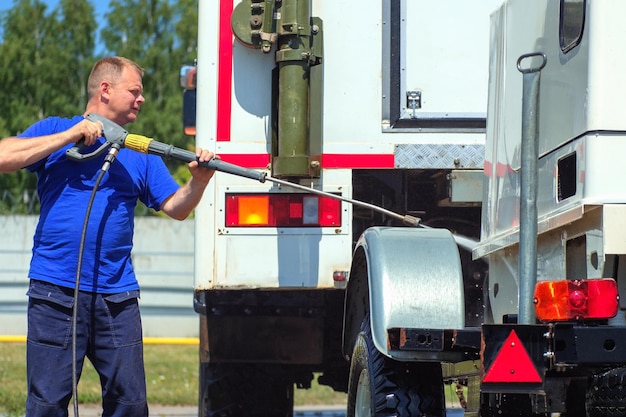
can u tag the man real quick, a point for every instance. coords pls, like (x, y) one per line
(108, 324)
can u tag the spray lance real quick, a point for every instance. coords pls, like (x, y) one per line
(117, 137)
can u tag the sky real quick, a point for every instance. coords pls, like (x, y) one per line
(101, 6)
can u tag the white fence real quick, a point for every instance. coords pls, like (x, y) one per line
(163, 261)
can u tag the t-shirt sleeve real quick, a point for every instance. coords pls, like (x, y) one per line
(41, 128)
(161, 184)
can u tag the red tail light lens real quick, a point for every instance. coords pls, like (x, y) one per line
(576, 299)
(282, 210)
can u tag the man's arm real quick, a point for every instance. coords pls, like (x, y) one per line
(180, 204)
(16, 153)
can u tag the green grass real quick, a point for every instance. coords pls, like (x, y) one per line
(171, 376)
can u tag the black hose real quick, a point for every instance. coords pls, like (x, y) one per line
(81, 248)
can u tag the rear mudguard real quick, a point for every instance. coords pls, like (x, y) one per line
(404, 278)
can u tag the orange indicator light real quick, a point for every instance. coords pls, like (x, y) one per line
(576, 299)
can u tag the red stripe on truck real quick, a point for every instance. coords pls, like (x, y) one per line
(225, 72)
(336, 161)
(356, 161)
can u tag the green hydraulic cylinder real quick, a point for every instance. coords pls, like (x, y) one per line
(287, 24)
(294, 31)
(291, 158)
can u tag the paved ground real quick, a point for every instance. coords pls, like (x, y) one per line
(299, 411)
(168, 411)
(156, 411)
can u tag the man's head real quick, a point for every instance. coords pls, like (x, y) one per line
(115, 89)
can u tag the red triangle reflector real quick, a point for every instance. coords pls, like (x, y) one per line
(512, 364)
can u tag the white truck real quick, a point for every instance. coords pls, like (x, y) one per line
(495, 123)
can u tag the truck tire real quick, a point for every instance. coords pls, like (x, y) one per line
(244, 390)
(606, 395)
(380, 386)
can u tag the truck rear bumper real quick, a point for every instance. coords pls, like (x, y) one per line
(274, 326)
(519, 358)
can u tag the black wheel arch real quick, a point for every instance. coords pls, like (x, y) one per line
(357, 301)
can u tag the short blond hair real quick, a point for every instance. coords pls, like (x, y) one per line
(109, 68)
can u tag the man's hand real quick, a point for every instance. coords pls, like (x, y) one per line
(201, 174)
(180, 204)
(87, 130)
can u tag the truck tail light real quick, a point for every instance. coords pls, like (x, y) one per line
(576, 299)
(282, 210)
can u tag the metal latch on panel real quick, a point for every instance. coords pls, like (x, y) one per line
(414, 102)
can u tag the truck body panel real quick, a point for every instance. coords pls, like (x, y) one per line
(579, 140)
(576, 113)
(234, 108)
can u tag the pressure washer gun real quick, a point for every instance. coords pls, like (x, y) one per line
(119, 137)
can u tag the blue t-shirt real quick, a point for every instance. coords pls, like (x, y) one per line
(65, 188)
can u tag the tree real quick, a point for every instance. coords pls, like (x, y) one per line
(77, 45)
(43, 60)
(25, 40)
(43, 57)
(161, 36)
(46, 57)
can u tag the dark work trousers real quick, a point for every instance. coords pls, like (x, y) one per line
(108, 333)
